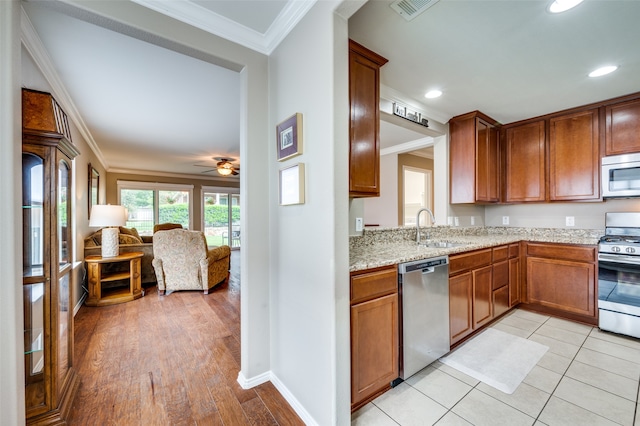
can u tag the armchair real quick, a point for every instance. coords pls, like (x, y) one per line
(182, 261)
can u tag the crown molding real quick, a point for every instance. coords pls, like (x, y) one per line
(174, 175)
(195, 15)
(31, 41)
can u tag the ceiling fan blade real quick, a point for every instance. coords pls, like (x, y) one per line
(207, 171)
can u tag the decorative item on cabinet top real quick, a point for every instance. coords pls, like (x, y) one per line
(410, 114)
(289, 137)
(41, 112)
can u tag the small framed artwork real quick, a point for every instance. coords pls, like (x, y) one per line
(94, 187)
(289, 137)
(292, 185)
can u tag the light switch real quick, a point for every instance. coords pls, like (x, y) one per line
(359, 224)
(505, 220)
(570, 221)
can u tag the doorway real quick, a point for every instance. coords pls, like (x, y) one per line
(221, 216)
(416, 193)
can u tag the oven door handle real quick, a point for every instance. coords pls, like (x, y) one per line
(619, 258)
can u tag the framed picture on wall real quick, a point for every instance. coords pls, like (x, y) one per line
(292, 185)
(94, 187)
(289, 137)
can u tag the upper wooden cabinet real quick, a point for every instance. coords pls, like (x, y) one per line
(561, 166)
(574, 157)
(622, 134)
(364, 136)
(525, 163)
(474, 159)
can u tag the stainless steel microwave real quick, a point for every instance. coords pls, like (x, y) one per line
(621, 176)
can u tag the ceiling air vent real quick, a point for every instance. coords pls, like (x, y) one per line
(409, 9)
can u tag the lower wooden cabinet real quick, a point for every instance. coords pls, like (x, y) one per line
(561, 280)
(483, 285)
(470, 293)
(374, 333)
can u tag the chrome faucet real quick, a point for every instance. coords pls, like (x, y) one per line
(433, 221)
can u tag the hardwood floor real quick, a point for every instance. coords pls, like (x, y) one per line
(169, 360)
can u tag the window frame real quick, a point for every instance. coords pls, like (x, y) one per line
(155, 187)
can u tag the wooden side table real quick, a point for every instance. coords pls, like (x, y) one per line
(103, 296)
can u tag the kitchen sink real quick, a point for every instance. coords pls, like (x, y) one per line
(440, 244)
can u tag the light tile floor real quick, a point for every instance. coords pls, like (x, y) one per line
(587, 377)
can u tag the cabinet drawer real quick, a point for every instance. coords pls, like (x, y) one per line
(466, 261)
(562, 251)
(500, 253)
(500, 274)
(369, 285)
(514, 250)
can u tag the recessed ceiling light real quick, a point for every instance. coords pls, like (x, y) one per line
(603, 71)
(558, 6)
(433, 94)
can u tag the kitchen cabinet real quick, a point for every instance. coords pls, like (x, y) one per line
(561, 280)
(515, 279)
(47, 246)
(364, 136)
(470, 292)
(374, 333)
(574, 156)
(622, 135)
(474, 159)
(525, 162)
(573, 151)
(500, 283)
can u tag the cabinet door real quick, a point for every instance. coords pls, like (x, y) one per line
(514, 281)
(574, 157)
(622, 134)
(482, 296)
(487, 162)
(525, 163)
(460, 306)
(364, 96)
(374, 346)
(563, 285)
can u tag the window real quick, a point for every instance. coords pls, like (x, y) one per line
(221, 216)
(149, 203)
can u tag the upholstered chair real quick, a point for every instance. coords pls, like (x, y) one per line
(182, 261)
(166, 226)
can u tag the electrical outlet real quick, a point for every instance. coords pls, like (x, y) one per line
(505, 220)
(456, 221)
(359, 224)
(450, 220)
(570, 221)
(473, 220)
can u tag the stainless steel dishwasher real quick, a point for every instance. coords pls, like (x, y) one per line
(424, 289)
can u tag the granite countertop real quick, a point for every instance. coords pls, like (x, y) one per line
(383, 247)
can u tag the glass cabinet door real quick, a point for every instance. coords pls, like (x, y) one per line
(34, 280)
(63, 290)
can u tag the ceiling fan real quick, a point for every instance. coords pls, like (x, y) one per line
(224, 166)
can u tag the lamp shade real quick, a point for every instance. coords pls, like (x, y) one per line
(107, 215)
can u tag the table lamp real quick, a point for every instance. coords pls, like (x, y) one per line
(110, 217)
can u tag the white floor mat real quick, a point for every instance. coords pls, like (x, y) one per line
(496, 358)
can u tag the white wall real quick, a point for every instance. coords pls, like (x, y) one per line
(383, 210)
(11, 315)
(309, 271)
(553, 215)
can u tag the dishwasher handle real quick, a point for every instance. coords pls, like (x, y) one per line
(429, 270)
(424, 265)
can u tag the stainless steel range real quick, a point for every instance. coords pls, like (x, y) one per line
(619, 274)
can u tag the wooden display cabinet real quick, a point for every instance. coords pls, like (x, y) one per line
(50, 379)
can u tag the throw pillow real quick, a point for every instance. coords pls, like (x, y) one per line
(130, 231)
(128, 239)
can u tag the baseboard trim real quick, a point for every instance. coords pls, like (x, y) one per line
(284, 391)
(79, 304)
